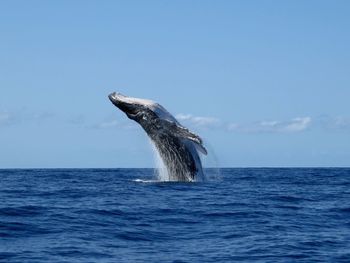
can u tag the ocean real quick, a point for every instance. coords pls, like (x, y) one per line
(125, 215)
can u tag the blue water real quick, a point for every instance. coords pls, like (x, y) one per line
(107, 215)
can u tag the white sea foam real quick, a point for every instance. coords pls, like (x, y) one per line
(145, 181)
(161, 169)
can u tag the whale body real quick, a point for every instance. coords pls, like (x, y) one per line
(178, 147)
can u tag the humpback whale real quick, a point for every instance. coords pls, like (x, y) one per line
(177, 146)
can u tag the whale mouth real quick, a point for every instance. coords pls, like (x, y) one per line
(112, 96)
(115, 97)
(118, 100)
(122, 102)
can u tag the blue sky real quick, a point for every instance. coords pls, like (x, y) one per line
(265, 83)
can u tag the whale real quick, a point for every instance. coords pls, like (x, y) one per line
(178, 147)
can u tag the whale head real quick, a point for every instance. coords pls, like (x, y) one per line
(130, 106)
(134, 108)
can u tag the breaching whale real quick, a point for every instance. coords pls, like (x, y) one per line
(177, 146)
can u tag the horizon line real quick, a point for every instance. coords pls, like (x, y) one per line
(224, 167)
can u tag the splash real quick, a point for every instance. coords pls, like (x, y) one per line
(211, 165)
(169, 168)
(145, 181)
(161, 171)
(210, 162)
(211, 172)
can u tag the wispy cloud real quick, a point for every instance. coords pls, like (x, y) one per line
(23, 115)
(294, 125)
(340, 123)
(106, 124)
(6, 118)
(113, 124)
(198, 121)
(78, 120)
(39, 117)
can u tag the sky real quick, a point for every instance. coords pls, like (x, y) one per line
(264, 83)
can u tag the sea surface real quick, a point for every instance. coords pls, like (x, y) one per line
(125, 215)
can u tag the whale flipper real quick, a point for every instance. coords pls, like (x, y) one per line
(180, 131)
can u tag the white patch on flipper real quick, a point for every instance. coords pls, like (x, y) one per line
(201, 148)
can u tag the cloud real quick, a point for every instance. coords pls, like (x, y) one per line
(340, 123)
(114, 124)
(78, 120)
(6, 118)
(290, 126)
(106, 124)
(296, 124)
(198, 121)
(39, 117)
(23, 115)
(293, 125)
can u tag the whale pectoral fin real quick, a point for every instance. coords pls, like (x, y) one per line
(182, 132)
(201, 148)
(194, 138)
